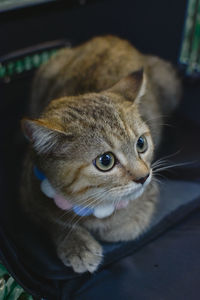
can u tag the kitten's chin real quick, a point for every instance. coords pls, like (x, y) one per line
(107, 209)
(132, 195)
(134, 191)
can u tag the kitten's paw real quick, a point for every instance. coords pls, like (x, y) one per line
(81, 255)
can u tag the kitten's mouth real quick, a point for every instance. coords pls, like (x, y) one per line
(107, 208)
(130, 192)
(100, 211)
(117, 200)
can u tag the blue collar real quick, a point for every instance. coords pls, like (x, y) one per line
(77, 209)
(38, 174)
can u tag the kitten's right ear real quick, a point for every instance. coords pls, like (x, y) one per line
(132, 87)
(44, 137)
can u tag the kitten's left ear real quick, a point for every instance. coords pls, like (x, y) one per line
(44, 136)
(131, 87)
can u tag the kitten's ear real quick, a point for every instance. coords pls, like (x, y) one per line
(44, 137)
(131, 87)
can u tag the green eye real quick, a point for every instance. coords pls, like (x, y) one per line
(142, 144)
(105, 162)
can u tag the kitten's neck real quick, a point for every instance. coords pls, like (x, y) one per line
(101, 211)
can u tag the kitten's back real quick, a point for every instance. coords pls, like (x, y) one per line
(97, 65)
(91, 67)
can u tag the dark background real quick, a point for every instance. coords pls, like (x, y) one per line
(154, 27)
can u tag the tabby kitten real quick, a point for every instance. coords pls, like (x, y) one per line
(96, 110)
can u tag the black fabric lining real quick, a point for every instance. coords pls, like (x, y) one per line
(51, 288)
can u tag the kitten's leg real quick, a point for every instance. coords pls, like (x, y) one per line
(79, 250)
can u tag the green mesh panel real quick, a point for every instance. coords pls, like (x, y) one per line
(190, 50)
(9, 289)
(27, 63)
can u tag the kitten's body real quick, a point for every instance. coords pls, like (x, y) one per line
(96, 111)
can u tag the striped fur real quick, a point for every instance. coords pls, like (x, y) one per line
(95, 98)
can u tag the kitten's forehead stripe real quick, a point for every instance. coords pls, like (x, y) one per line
(98, 114)
(122, 158)
(125, 125)
(107, 139)
(95, 119)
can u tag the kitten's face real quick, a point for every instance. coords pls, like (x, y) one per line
(94, 148)
(104, 157)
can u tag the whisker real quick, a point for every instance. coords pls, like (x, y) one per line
(160, 175)
(172, 166)
(97, 198)
(160, 163)
(169, 156)
(90, 205)
(157, 181)
(82, 202)
(79, 218)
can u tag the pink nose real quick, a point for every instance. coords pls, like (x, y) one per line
(142, 179)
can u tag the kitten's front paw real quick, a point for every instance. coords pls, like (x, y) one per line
(82, 255)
